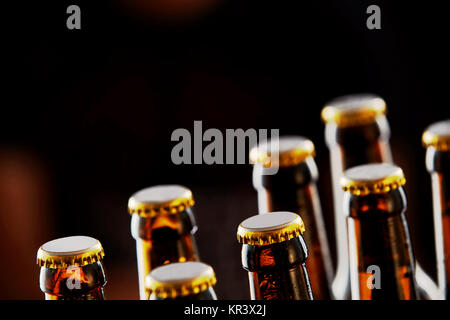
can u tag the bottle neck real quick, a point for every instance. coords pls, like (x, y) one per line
(293, 177)
(381, 258)
(161, 240)
(357, 145)
(278, 284)
(283, 194)
(153, 228)
(349, 147)
(73, 283)
(438, 164)
(278, 271)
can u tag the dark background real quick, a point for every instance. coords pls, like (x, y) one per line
(87, 115)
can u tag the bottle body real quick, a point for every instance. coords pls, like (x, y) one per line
(349, 147)
(278, 271)
(161, 240)
(294, 189)
(438, 164)
(381, 258)
(73, 283)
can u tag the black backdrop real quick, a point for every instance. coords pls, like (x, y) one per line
(96, 108)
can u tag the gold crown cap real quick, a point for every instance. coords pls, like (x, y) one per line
(269, 228)
(353, 110)
(437, 135)
(283, 152)
(161, 199)
(69, 251)
(180, 279)
(374, 178)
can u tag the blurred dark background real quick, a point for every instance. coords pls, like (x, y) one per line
(87, 115)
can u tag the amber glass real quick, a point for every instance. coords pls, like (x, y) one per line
(379, 236)
(438, 164)
(364, 144)
(294, 189)
(278, 271)
(349, 147)
(163, 239)
(74, 283)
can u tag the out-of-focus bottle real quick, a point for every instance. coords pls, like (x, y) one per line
(163, 225)
(436, 139)
(381, 257)
(274, 254)
(293, 188)
(356, 132)
(72, 269)
(181, 281)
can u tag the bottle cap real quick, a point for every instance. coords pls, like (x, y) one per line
(269, 228)
(287, 151)
(70, 251)
(437, 135)
(374, 178)
(354, 110)
(162, 199)
(180, 279)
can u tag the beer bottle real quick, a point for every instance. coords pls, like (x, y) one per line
(381, 258)
(274, 254)
(181, 281)
(436, 139)
(293, 188)
(71, 269)
(356, 132)
(163, 225)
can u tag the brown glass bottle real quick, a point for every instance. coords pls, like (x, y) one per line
(356, 132)
(163, 225)
(274, 254)
(293, 188)
(381, 258)
(71, 269)
(436, 139)
(181, 281)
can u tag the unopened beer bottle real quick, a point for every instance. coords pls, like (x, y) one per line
(436, 138)
(293, 188)
(274, 254)
(181, 281)
(356, 132)
(381, 258)
(163, 225)
(71, 269)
